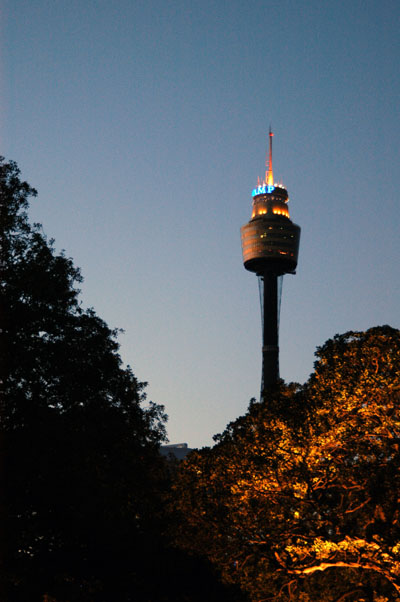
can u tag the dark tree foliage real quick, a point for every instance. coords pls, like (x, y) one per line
(82, 484)
(81, 470)
(300, 498)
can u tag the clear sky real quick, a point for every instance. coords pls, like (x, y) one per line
(143, 125)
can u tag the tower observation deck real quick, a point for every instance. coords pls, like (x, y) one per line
(270, 244)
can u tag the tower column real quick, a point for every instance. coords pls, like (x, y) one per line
(270, 244)
(270, 350)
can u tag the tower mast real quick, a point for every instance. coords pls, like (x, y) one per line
(269, 174)
(270, 244)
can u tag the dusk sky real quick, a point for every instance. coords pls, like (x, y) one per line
(144, 125)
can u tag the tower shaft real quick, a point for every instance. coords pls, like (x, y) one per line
(270, 349)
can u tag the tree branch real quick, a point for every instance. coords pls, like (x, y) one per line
(323, 566)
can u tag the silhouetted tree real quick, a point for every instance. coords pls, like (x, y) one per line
(83, 474)
(300, 498)
(82, 484)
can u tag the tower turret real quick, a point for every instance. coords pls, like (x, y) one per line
(270, 244)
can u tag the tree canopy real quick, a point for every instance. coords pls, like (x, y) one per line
(83, 514)
(83, 476)
(299, 499)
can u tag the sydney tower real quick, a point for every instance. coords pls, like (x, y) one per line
(270, 243)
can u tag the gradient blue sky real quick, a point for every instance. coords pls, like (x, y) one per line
(143, 125)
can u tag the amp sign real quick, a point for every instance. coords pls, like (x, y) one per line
(266, 189)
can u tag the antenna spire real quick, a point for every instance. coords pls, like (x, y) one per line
(269, 174)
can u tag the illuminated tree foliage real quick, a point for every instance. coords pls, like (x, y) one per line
(300, 498)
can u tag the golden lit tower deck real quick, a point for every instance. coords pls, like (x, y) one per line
(270, 244)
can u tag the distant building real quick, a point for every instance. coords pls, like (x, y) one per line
(178, 450)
